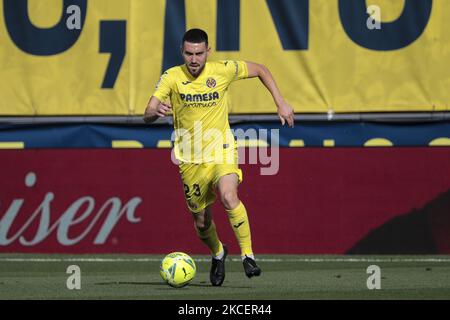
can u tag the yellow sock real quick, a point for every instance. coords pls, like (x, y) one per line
(239, 222)
(210, 238)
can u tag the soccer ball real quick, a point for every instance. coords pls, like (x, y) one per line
(177, 269)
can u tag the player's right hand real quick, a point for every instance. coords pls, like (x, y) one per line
(163, 108)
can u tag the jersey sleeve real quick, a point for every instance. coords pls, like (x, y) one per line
(236, 70)
(163, 88)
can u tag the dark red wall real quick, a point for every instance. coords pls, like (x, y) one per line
(323, 200)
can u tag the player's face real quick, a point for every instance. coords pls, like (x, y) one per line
(195, 56)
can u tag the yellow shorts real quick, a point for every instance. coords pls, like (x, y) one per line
(200, 180)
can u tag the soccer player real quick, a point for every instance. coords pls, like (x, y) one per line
(197, 95)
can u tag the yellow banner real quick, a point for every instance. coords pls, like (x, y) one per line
(104, 57)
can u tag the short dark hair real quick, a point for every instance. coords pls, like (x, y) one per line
(195, 36)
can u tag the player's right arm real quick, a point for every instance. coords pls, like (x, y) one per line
(155, 110)
(157, 107)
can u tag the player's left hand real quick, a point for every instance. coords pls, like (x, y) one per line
(286, 114)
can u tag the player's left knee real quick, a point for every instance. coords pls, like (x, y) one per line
(230, 199)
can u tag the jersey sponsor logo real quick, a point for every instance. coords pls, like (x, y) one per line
(211, 83)
(200, 97)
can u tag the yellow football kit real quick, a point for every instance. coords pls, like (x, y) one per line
(204, 144)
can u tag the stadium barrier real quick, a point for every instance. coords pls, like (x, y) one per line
(323, 200)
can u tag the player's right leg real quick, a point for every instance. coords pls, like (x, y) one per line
(199, 196)
(206, 231)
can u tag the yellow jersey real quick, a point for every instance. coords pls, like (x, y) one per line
(200, 109)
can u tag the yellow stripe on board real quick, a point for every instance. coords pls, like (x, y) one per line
(328, 143)
(251, 143)
(440, 142)
(12, 145)
(296, 143)
(127, 144)
(378, 142)
(164, 144)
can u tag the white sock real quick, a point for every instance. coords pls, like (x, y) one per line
(220, 255)
(248, 256)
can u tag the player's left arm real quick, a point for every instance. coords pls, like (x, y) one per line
(285, 111)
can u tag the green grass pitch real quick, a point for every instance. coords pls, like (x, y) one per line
(284, 277)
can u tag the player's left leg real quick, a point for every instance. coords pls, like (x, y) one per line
(237, 215)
